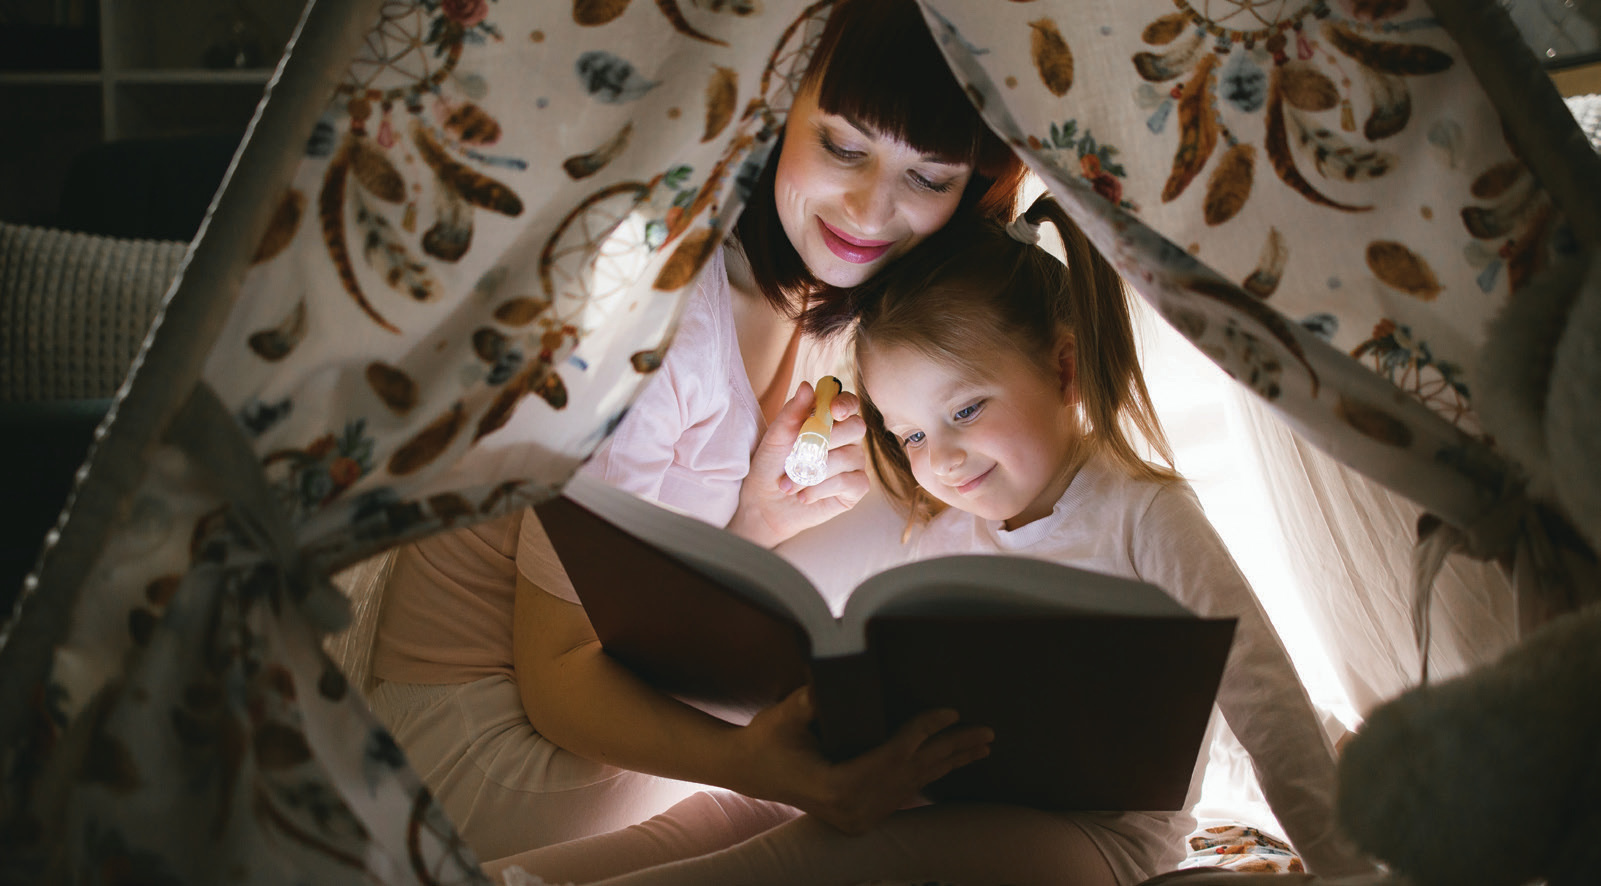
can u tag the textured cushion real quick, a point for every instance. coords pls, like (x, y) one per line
(1587, 110)
(74, 309)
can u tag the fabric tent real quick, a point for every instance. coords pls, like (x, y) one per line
(454, 242)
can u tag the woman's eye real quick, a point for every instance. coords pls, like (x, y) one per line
(968, 412)
(912, 439)
(927, 184)
(830, 146)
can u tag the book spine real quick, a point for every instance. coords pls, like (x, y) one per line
(848, 697)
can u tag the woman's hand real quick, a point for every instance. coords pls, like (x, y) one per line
(771, 507)
(857, 794)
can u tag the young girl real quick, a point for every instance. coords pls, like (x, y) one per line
(999, 388)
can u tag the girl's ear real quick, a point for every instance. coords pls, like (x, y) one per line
(1067, 365)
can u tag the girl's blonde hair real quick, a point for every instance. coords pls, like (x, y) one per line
(973, 289)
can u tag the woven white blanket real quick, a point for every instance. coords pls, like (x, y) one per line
(74, 309)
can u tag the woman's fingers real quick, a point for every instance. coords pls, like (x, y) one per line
(780, 435)
(848, 431)
(844, 405)
(847, 479)
(934, 748)
(965, 746)
(917, 731)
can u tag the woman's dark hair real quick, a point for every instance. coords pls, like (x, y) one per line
(971, 289)
(877, 63)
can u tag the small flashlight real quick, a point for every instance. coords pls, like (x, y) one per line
(808, 460)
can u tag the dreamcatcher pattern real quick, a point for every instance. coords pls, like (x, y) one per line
(1311, 124)
(423, 287)
(404, 306)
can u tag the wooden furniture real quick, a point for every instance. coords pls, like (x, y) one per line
(165, 68)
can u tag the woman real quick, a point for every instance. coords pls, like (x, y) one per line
(525, 732)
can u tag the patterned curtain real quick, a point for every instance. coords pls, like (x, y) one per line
(454, 244)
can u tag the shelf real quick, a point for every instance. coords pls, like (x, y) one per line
(85, 75)
(193, 76)
(147, 108)
(50, 78)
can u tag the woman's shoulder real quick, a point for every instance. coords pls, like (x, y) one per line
(704, 342)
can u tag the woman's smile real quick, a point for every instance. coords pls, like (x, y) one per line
(852, 249)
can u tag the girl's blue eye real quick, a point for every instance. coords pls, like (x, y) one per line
(912, 439)
(968, 412)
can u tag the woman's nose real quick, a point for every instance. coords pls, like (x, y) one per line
(869, 203)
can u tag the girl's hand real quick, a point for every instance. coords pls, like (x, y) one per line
(771, 507)
(855, 795)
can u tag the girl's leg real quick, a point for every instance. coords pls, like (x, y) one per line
(702, 823)
(972, 845)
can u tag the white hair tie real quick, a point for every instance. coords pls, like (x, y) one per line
(1024, 231)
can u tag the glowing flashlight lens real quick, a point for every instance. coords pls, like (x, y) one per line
(808, 461)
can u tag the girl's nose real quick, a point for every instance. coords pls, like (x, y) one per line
(946, 458)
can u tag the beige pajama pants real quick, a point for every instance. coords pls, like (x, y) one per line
(506, 787)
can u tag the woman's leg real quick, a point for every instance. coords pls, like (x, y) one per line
(972, 845)
(507, 788)
(700, 824)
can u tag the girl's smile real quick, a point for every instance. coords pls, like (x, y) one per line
(1002, 444)
(968, 487)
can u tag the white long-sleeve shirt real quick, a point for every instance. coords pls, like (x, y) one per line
(1111, 522)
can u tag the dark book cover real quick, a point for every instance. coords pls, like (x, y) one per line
(1092, 708)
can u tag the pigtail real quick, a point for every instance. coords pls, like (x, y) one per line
(1111, 385)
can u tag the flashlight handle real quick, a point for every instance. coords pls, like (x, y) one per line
(821, 421)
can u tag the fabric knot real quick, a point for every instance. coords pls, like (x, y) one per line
(209, 436)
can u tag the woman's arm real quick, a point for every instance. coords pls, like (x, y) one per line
(589, 704)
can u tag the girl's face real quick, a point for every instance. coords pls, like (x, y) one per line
(851, 199)
(1000, 447)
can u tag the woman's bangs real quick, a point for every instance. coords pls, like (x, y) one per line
(886, 76)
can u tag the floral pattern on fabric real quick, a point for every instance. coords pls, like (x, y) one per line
(480, 256)
(1246, 210)
(1231, 118)
(1241, 848)
(478, 260)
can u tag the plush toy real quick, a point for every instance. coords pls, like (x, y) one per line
(1492, 778)
(1489, 779)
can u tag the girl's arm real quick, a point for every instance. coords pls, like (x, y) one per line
(1262, 697)
(589, 704)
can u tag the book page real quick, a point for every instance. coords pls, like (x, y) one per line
(841, 553)
(755, 572)
(988, 584)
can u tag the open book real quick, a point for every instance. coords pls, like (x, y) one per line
(1098, 688)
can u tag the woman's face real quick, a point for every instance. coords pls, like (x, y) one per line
(852, 199)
